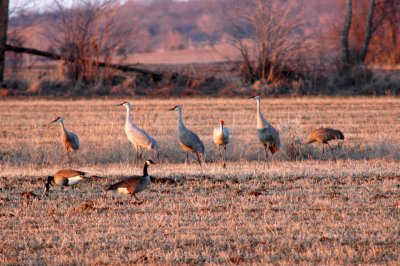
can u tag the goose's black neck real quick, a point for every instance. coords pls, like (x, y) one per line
(145, 169)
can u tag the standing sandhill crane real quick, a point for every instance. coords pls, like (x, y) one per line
(221, 138)
(188, 140)
(64, 178)
(266, 133)
(134, 184)
(139, 138)
(323, 136)
(69, 139)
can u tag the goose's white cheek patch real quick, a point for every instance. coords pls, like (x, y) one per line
(123, 190)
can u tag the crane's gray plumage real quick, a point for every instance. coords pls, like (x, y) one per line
(266, 133)
(188, 140)
(69, 139)
(137, 136)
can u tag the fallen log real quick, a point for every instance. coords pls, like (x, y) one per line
(125, 68)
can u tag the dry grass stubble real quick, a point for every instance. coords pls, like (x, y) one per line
(296, 211)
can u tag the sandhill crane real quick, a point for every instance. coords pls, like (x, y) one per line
(266, 133)
(188, 140)
(323, 136)
(134, 184)
(69, 139)
(221, 138)
(137, 136)
(64, 178)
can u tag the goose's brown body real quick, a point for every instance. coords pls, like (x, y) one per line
(68, 177)
(64, 178)
(133, 184)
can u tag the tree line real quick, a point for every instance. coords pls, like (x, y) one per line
(276, 39)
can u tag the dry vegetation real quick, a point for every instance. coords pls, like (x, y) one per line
(293, 212)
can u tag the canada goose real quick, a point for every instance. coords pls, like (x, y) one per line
(323, 136)
(64, 178)
(134, 184)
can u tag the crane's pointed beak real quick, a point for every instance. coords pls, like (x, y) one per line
(119, 104)
(53, 121)
(172, 109)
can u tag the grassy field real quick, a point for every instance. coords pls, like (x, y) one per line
(301, 211)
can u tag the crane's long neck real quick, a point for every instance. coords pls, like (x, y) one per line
(128, 120)
(261, 121)
(260, 117)
(63, 129)
(180, 119)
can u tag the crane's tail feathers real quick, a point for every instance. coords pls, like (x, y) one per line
(273, 148)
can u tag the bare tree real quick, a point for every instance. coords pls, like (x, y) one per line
(373, 18)
(345, 34)
(368, 31)
(87, 32)
(268, 34)
(393, 10)
(3, 35)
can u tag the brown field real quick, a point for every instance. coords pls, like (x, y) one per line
(302, 211)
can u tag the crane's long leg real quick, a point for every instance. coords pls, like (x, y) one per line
(299, 152)
(138, 154)
(266, 148)
(187, 158)
(157, 155)
(224, 165)
(333, 153)
(198, 157)
(63, 156)
(323, 146)
(224, 152)
(219, 151)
